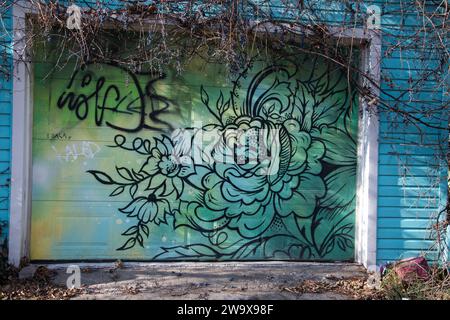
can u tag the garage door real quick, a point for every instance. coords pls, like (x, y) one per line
(200, 165)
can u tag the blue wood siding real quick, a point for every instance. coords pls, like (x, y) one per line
(412, 180)
(412, 186)
(5, 118)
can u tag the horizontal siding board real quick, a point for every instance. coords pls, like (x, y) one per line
(411, 95)
(5, 120)
(402, 150)
(5, 95)
(5, 84)
(423, 119)
(429, 85)
(4, 205)
(4, 166)
(426, 164)
(406, 64)
(406, 244)
(402, 234)
(416, 54)
(4, 234)
(4, 192)
(416, 192)
(414, 133)
(389, 255)
(409, 75)
(4, 180)
(408, 202)
(4, 215)
(5, 108)
(399, 170)
(423, 140)
(406, 128)
(5, 155)
(406, 223)
(5, 130)
(402, 181)
(402, 167)
(410, 139)
(415, 213)
(5, 142)
(397, 142)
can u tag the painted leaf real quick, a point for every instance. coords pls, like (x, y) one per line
(130, 231)
(117, 191)
(188, 252)
(340, 149)
(145, 229)
(125, 173)
(101, 177)
(340, 187)
(133, 190)
(130, 243)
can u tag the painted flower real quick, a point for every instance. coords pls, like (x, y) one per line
(270, 95)
(148, 209)
(278, 177)
(166, 167)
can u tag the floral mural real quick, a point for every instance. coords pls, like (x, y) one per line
(244, 204)
(196, 166)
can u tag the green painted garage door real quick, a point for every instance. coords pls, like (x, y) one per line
(202, 165)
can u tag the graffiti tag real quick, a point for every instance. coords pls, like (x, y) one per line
(73, 151)
(128, 108)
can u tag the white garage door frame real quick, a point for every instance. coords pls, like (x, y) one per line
(369, 43)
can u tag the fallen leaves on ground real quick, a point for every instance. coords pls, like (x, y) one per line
(30, 290)
(355, 288)
(133, 290)
(37, 288)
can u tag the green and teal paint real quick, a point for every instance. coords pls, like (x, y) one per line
(118, 170)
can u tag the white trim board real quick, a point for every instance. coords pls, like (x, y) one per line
(367, 180)
(22, 116)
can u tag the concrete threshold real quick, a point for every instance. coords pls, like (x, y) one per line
(205, 280)
(198, 264)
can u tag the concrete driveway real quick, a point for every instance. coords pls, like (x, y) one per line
(218, 280)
